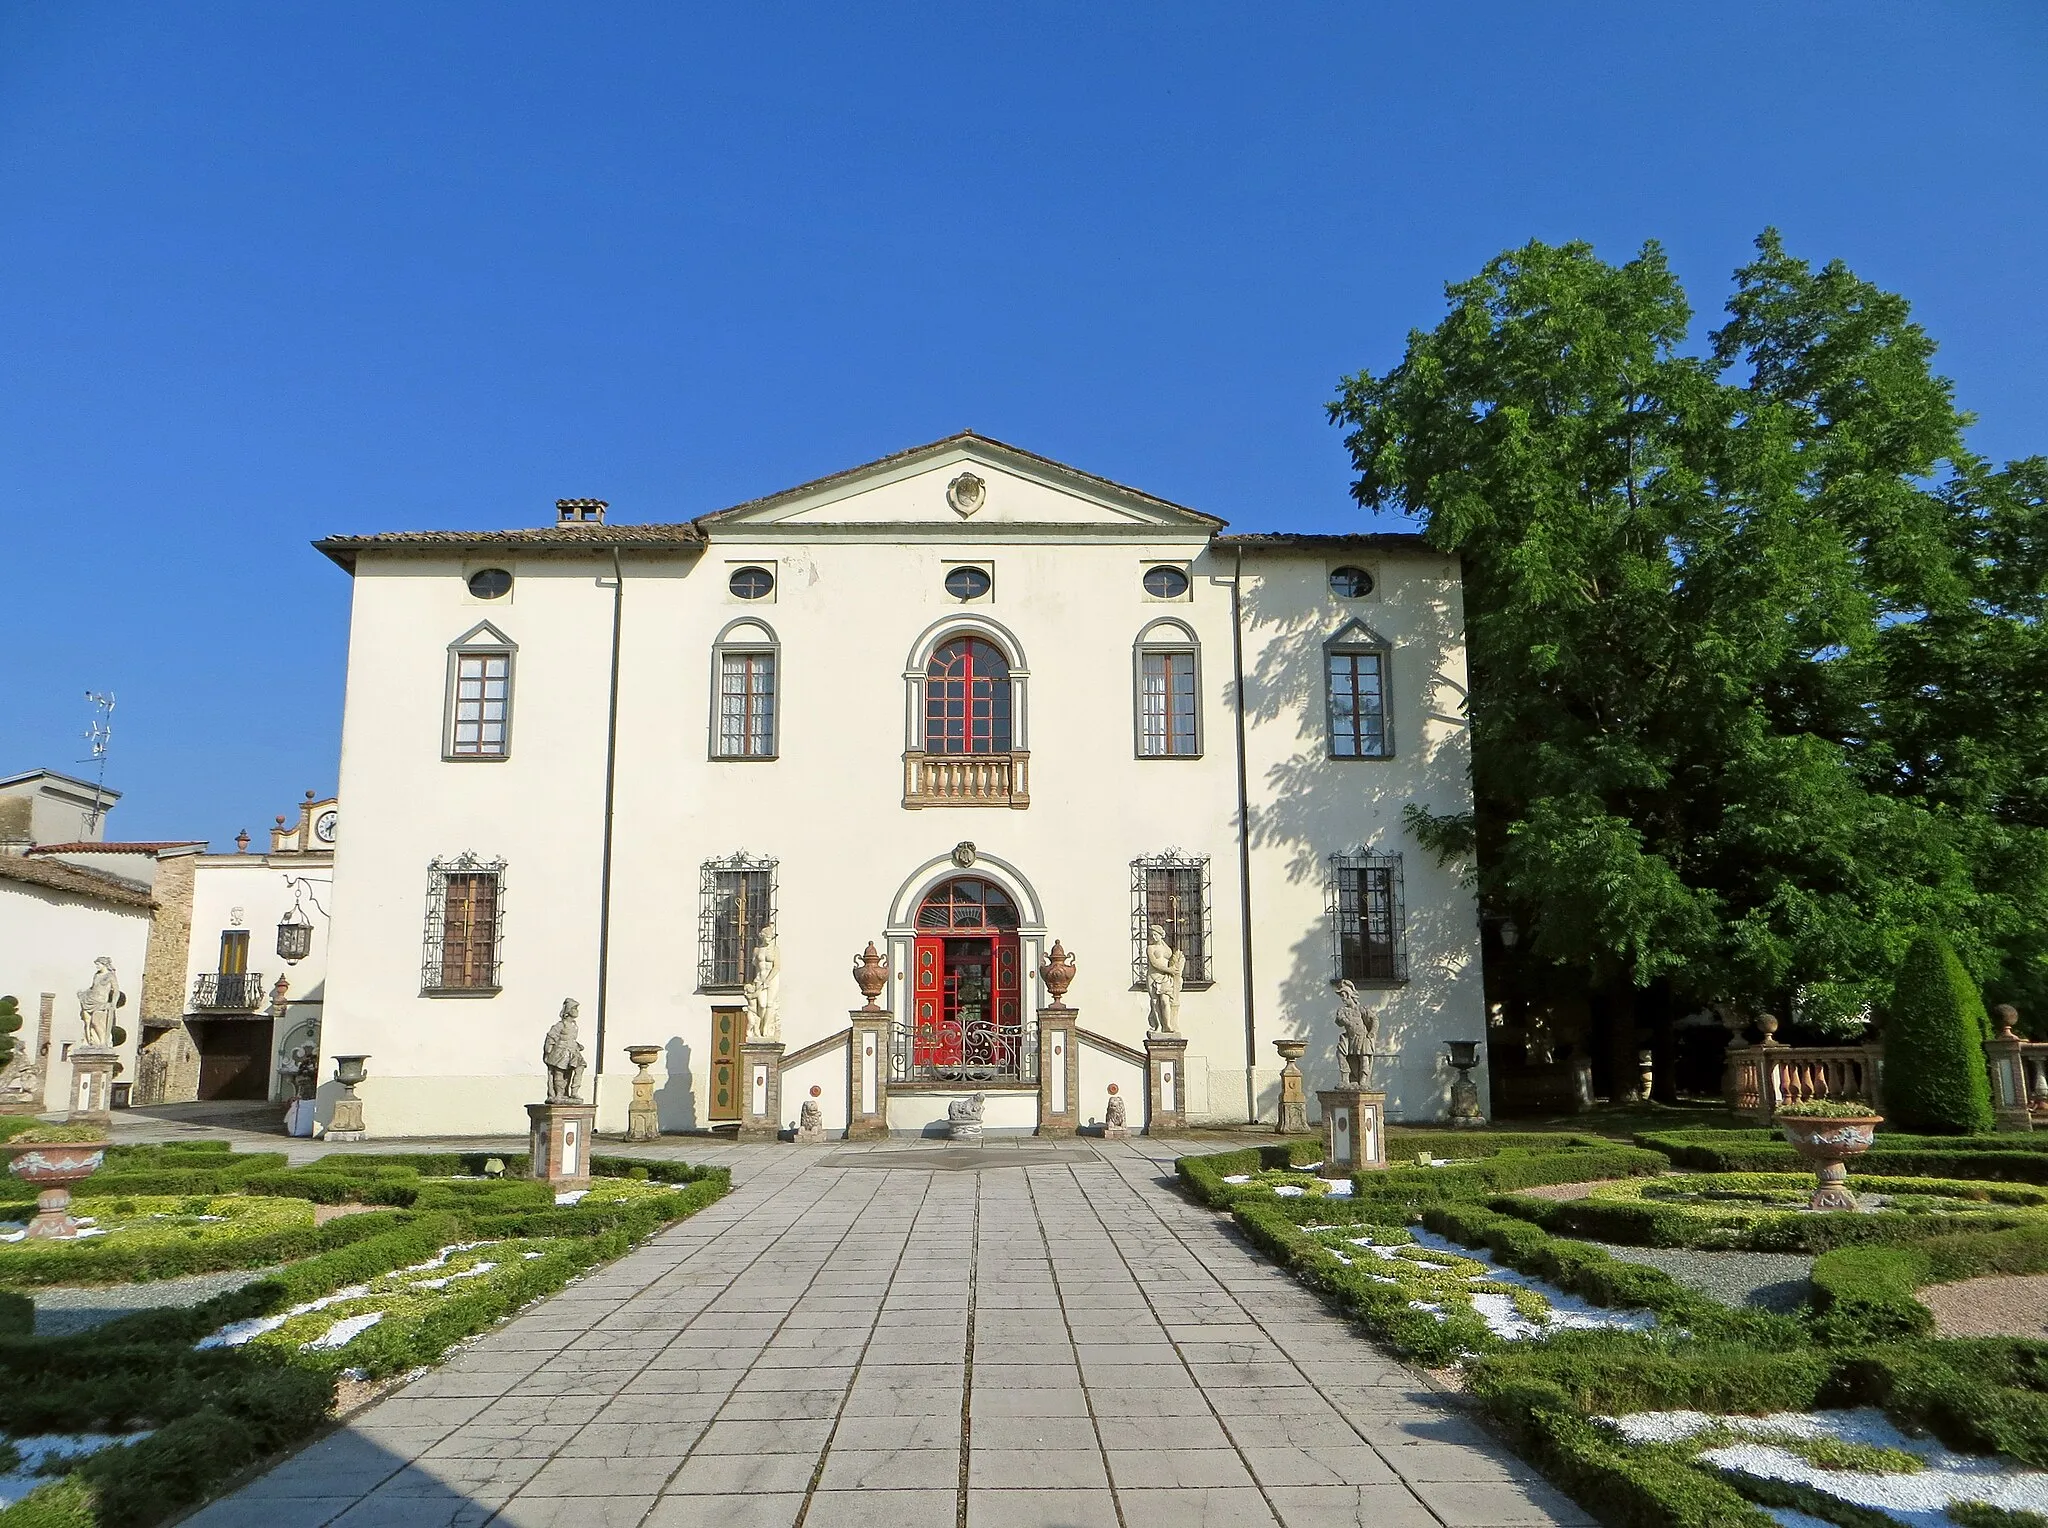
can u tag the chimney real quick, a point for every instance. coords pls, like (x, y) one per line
(579, 511)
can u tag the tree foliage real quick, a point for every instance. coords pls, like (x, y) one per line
(10, 1025)
(1748, 628)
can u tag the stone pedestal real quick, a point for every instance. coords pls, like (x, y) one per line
(1059, 1072)
(92, 1085)
(761, 1090)
(643, 1119)
(867, 1081)
(562, 1135)
(1354, 1130)
(2010, 1106)
(1165, 1084)
(1293, 1101)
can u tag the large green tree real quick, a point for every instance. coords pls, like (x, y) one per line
(1684, 566)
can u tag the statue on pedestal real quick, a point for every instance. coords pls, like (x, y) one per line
(562, 1054)
(1166, 968)
(764, 992)
(963, 1117)
(1356, 1027)
(1114, 1114)
(98, 1003)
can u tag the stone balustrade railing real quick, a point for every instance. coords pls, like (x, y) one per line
(966, 779)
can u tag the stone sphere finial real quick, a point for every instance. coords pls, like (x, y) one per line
(1768, 1023)
(2007, 1019)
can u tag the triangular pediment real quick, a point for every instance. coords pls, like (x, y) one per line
(956, 486)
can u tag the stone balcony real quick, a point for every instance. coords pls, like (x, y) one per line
(966, 779)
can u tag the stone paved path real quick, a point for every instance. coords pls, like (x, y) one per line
(870, 1336)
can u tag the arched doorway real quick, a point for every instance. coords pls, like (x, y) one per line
(966, 1007)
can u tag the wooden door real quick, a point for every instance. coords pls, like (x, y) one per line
(966, 1014)
(728, 1034)
(234, 1058)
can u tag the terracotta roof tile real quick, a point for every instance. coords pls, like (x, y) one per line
(544, 538)
(55, 875)
(117, 846)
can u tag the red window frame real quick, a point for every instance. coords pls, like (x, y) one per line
(967, 698)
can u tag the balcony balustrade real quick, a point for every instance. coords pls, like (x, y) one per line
(228, 992)
(966, 779)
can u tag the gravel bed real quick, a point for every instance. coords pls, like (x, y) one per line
(62, 1310)
(1761, 1280)
(2003, 1305)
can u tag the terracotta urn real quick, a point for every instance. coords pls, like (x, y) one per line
(871, 975)
(1057, 969)
(52, 1168)
(1828, 1143)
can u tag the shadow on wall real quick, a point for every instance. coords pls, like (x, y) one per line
(1309, 808)
(673, 1100)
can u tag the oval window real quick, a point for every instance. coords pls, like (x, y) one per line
(490, 583)
(1350, 583)
(967, 583)
(1165, 583)
(751, 583)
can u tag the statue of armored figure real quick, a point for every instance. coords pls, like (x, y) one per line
(1166, 969)
(764, 992)
(99, 1003)
(1357, 1026)
(562, 1054)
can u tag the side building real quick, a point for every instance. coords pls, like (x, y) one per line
(959, 703)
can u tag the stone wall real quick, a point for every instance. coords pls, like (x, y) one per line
(170, 936)
(167, 1071)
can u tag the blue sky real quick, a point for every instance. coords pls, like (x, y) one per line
(272, 271)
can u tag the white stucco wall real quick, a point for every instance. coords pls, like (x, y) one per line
(859, 583)
(257, 885)
(48, 942)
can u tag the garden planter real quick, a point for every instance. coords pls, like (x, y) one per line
(1828, 1144)
(52, 1168)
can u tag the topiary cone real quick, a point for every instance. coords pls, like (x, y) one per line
(1934, 1078)
(10, 1022)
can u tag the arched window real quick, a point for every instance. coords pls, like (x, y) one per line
(1169, 692)
(967, 698)
(746, 686)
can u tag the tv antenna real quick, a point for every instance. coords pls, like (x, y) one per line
(99, 733)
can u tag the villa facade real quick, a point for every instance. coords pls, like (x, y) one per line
(960, 703)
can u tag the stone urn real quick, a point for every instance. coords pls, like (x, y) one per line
(51, 1168)
(871, 975)
(347, 1122)
(1057, 970)
(1293, 1100)
(1828, 1141)
(1465, 1110)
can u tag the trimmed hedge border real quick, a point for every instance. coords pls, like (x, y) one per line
(1981, 1157)
(217, 1411)
(1867, 1293)
(1402, 1192)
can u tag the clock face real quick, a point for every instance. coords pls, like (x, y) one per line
(323, 827)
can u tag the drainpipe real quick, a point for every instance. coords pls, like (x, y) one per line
(1244, 846)
(611, 760)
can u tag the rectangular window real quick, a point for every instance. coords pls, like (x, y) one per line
(483, 699)
(1171, 891)
(738, 901)
(234, 951)
(465, 925)
(1371, 941)
(746, 705)
(1358, 717)
(1166, 705)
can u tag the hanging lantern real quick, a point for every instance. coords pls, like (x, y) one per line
(294, 937)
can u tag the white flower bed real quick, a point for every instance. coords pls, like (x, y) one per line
(1919, 1500)
(1567, 1311)
(40, 1454)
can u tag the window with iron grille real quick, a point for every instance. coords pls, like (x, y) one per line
(1369, 937)
(746, 705)
(465, 925)
(737, 901)
(1172, 891)
(479, 717)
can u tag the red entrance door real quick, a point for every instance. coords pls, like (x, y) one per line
(967, 1015)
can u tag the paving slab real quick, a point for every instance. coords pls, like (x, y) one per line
(1011, 1336)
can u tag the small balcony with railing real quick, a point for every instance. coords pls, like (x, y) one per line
(228, 992)
(966, 779)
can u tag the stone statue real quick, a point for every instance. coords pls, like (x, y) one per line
(1166, 968)
(963, 1117)
(810, 1116)
(1113, 1113)
(562, 1054)
(764, 992)
(97, 1004)
(1356, 1026)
